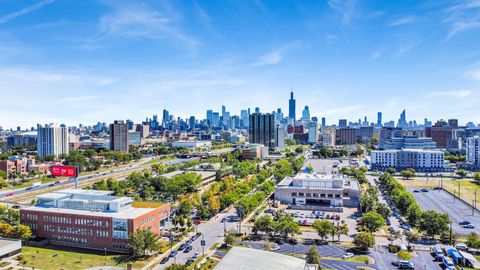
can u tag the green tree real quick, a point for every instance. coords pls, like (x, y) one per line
(408, 173)
(142, 242)
(3, 175)
(461, 173)
(476, 176)
(404, 255)
(323, 227)
(413, 214)
(433, 223)
(383, 210)
(373, 221)
(391, 171)
(364, 241)
(285, 225)
(263, 224)
(341, 228)
(231, 237)
(313, 257)
(473, 240)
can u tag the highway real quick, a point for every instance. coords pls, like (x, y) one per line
(92, 176)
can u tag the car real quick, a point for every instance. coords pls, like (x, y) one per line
(448, 263)
(196, 255)
(183, 246)
(461, 247)
(388, 222)
(164, 260)
(188, 249)
(406, 265)
(28, 188)
(437, 251)
(437, 188)
(416, 191)
(424, 190)
(57, 182)
(190, 261)
(189, 241)
(469, 226)
(347, 255)
(223, 220)
(309, 241)
(275, 248)
(16, 207)
(9, 194)
(198, 234)
(173, 253)
(269, 211)
(439, 258)
(51, 185)
(465, 222)
(279, 241)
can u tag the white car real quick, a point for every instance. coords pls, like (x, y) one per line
(347, 255)
(196, 255)
(275, 248)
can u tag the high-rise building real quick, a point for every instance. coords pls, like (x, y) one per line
(312, 132)
(210, 118)
(346, 136)
(342, 123)
(144, 130)
(324, 122)
(191, 122)
(402, 122)
(215, 119)
(453, 123)
(291, 107)
(263, 130)
(52, 140)
(473, 150)
(257, 110)
(306, 114)
(441, 133)
(379, 119)
(119, 136)
(166, 118)
(244, 115)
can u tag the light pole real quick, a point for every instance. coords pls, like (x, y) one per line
(105, 256)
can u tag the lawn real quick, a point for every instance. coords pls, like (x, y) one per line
(209, 264)
(71, 258)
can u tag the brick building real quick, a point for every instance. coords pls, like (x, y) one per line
(92, 219)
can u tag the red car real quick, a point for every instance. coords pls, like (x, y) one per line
(10, 194)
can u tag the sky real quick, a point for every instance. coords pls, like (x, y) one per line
(87, 61)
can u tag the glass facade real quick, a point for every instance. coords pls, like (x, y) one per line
(120, 229)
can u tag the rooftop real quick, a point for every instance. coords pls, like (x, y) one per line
(240, 258)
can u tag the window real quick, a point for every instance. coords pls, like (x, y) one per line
(120, 229)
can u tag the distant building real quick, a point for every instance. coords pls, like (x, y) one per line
(192, 144)
(13, 167)
(144, 130)
(346, 136)
(306, 114)
(291, 107)
(328, 138)
(263, 130)
(417, 159)
(312, 132)
(92, 219)
(473, 151)
(119, 136)
(52, 140)
(364, 134)
(318, 191)
(134, 138)
(407, 142)
(23, 139)
(342, 123)
(254, 151)
(441, 133)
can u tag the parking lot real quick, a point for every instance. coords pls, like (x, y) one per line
(422, 260)
(458, 211)
(326, 165)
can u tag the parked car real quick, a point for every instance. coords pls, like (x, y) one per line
(309, 241)
(269, 211)
(424, 190)
(465, 222)
(461, 247)
(275, 248)
(164, 260)
(347, 255)
(469, 226)
(188, 249)
(416, 191)
(16, 207)
(196, 255)
(439, 258)
(437, 251)
(406, 265)
(173, 253)
(183, 246)
(448, 263)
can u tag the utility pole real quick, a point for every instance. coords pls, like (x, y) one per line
(459, 190)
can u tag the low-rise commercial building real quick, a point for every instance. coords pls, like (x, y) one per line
(317, 191)
(417, 159)
(254, 151)
(92, 219)
(10, 247)
(407, 142)
(192, 144)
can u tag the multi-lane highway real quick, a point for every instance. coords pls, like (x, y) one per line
(92, 176)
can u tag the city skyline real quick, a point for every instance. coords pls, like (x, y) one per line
(123, 60)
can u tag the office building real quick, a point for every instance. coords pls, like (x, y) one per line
(210, 118)
(312, 132)
(417, 159)
(263, 130)
(52, 140)
(14, 167)
(379, 119)
(92, 219)
(134, 138)
(473, 151)
(453, 123)
(342, 123)
(192, 144)
(23, 139)
(306, 114)
(324, 123)
(318, 191)
(402, 122)
(254, 151)
(119, 136)
(346, 136)
(328, 138)
(364, 134)
(144, 130)
(441, 134)
(291, 107)
(407, 142)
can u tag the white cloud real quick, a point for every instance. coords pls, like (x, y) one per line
(346, 8)
(403, 21)
(277, 55)
(25, 11)
(463, 17)
(376, 55)
(455, 93)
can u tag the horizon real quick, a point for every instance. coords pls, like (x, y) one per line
(77, 62)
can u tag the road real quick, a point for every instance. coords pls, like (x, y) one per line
(91, 177)
(212, 232)
(458, 211)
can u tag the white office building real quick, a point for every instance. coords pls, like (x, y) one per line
(312, 132)
(192, 144)
(473, 150)
(328, 139)
(52, 140)
(417, 159)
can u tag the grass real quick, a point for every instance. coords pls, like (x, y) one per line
(467, 187)
(4, 264)
(71, 258)
(214, 246)
(359, 259)
(209, 264)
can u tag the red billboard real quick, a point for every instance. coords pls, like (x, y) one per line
(68, 171)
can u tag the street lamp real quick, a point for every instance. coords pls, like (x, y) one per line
(105, 256)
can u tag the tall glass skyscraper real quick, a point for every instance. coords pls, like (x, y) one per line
(291, 107)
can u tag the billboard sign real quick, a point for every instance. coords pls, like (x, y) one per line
(67, 171)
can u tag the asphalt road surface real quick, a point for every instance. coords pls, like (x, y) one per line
(458, 211)
(90, 176)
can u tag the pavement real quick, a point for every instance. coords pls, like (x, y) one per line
(422, 260)
(91, 176)
(458, 211)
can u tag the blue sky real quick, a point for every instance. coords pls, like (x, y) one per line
(86, 61)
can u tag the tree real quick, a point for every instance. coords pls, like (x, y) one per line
(142, 242)
(3, 175)
(391, 171)
(263, 224)
(231, 237)
(433, 223)
(341, 228)
(323, 227)
(413, 214)
(313, 257)
(461, 173)
(364, 241)
(177, 267)
(412, 237)
(383, 210)
(22, 232)
(408, 173)
(286, 225)
(473, 240)
(185, 208)
(373, 221)
(404, 255)
(476, 176)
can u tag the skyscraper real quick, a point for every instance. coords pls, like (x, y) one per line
(342, 123)
(263, 130)
(191, 122)
(291, 107)
(166, 118)
(119, 136)
(379, 119)
(306, 114)
(52, 140)
(324, 122)
(402, 122)
(210, 118)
